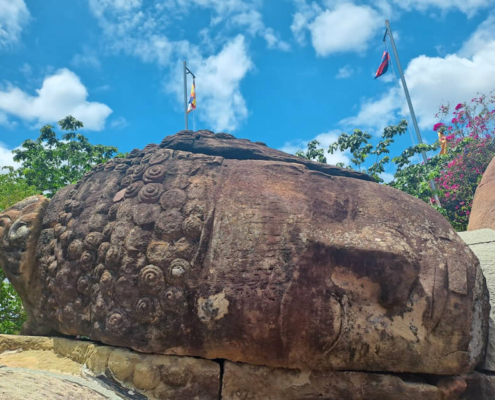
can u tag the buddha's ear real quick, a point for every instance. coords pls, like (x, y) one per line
(20, 229)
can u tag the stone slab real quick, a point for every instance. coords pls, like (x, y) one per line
(155, 376)
(480, 236)
(22, 384)
(482, 243)
(53, 373)
(243, 381)
(41, 360)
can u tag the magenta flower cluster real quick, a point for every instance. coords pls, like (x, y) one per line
(437, 126)
(471, 147)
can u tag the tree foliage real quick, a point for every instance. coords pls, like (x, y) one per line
(13, 189)
(12, 314)
(49, 163)
(469, 137)
(358, 145)
(313, 152)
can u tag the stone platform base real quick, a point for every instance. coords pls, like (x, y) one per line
(42, 367)
(151, 375)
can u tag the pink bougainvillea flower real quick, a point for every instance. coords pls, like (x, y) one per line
(437, 126)
(459, 106)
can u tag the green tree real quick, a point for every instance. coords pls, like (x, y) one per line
(469, 139)
(360, 148)
(415, 179)
(49, 163)
(313, 152)
(13, 188)
(12, 314)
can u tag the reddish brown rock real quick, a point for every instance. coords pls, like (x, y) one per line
(483, 209)
(247, 254)
(242, 381)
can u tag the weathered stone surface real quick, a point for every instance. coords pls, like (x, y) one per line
(41, 360)
(242, 381)
(20, 229)
(479, 386)
(172, 377)
(482, 243)
(260, 261)
(19, 342)
(483, 209)
(227, 146)
(155, 376)
(19, 384)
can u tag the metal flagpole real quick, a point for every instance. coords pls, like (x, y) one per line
(411, 109)
(185, 94)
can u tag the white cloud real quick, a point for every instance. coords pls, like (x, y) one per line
(60, 95)
(377, 113)
(345, 27)
(119, 123)
(252, 20)
(433, 81)
(219, 88)
(14, 15)
(4, 121)
(6, 158)
(468, 7)
(87, 59)
(220, 67)
(484, 35)
(273, 41)
(26, 70)
(301, 19)
(134, 19)
(222, 8)
(102, 88)
(219, 100)
(325, 140)
(345, 72)
(98, 6)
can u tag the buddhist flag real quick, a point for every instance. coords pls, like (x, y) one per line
(384, 65)
(192, 99)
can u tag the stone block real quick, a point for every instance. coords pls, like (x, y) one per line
(20, 342)
(243, 381)
(482, 243)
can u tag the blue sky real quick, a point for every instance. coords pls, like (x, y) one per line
(279, 71)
